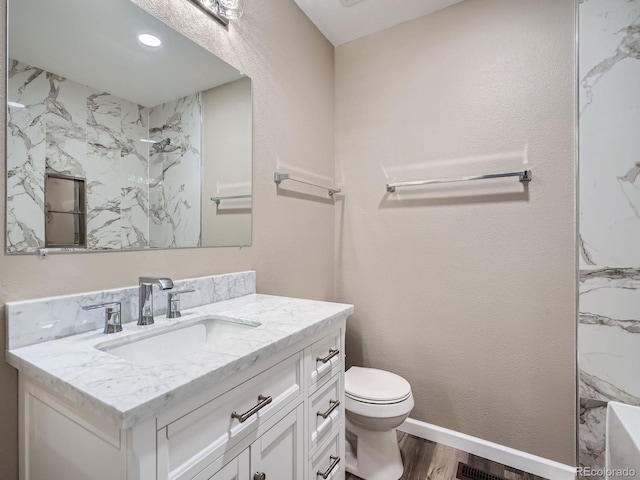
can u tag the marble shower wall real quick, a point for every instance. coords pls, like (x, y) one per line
(60, 125)
(609, 347)
(174, 171)
(609, 328)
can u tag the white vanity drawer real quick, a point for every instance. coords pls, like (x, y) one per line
(324, 359)
(193, 441)
(325, 410)
(329, 460)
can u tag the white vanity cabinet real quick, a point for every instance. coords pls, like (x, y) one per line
(279, 419)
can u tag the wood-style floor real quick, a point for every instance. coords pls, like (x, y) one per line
(425, 460)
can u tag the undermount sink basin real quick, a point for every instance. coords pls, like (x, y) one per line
(623, 439)
(165, 345)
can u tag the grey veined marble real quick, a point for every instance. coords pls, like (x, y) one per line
(609, 328)
(64, 127)
(139, 193)
(175, 188)
(609, 348)
(45, 319)
(609, 74)
(591, 431)
(609, 334)
(25, 156)
(126, 394)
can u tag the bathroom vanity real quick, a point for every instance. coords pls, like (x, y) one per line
(244, 388)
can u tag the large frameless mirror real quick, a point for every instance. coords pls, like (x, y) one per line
(141, 137)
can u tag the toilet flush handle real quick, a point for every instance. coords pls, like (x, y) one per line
(332, 353)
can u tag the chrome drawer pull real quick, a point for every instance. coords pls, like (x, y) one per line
(334, 464)
(332, 353)
(334, 404)
(264, 401)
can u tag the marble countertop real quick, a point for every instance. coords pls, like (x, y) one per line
(129, 393)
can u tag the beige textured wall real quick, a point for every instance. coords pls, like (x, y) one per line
(226, 147)
(467, 290)
(291, 65)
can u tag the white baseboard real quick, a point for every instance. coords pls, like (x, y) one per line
(526, 462)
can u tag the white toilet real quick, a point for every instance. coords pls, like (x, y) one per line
(376, 402)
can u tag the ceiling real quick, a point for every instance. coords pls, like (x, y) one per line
(342, 24)
(94, 43)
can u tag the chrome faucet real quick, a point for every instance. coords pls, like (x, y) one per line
(145, 308)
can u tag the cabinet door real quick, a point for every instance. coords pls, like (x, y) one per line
(237, 469)
(192, 442)
(278, 454)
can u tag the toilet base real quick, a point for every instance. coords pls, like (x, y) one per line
(373, 455)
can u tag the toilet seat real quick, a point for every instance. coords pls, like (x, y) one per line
(379, 410)
(374, 393)
(376, 402)
(370, 385)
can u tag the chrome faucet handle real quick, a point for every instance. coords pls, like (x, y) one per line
(112, 317)
(173, 303)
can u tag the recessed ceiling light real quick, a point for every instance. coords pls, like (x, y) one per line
(149, 40)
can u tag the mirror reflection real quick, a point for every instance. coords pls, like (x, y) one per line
(65, 211)
(146, 135)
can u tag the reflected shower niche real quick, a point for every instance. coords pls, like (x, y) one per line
(66, 211)
(126, 148)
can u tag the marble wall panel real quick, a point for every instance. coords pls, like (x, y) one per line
(134, 171)
(609, 349)
(609, 324)
(66, 126)
(609, 334)
(104, 188)
(27, 92)
(174, 171)
(591, 431)
(609, 75)
(60, 125)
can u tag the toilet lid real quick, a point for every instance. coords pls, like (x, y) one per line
(375, 385)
